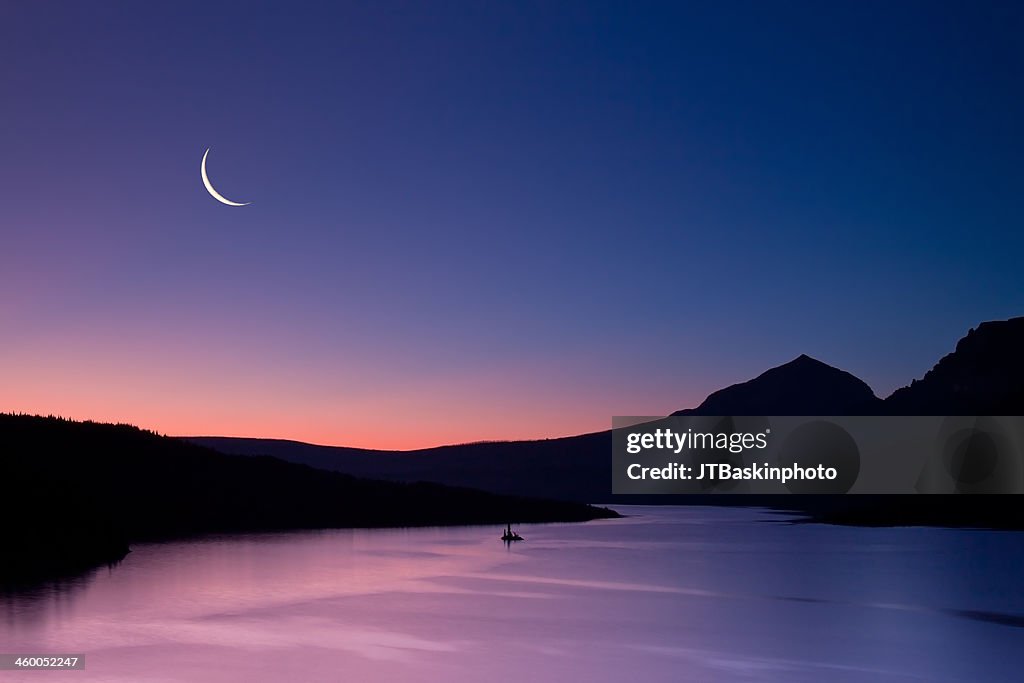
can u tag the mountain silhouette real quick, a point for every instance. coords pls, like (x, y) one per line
(982, 376)
(74, 494)
(81, 492)
(573, 468)
(576, 468)
(803, 386)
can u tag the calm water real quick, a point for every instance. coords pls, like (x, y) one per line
(692, 594)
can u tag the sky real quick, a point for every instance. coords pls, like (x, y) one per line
(478, 220)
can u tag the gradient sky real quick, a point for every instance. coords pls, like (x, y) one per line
(492, 220)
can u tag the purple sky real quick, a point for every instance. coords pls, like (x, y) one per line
(476, 221)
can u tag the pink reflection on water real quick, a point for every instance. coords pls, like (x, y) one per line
(668, 595)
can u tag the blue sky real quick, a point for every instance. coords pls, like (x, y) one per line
(494, 219)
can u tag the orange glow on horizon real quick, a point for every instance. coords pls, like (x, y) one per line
(388, 421)
(389, 435)
(213, 391)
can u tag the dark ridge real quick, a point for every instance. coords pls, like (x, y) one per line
(576, 468)
(76, 494)
(573, 468)
(984, 375)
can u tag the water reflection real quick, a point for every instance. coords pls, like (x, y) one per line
(664, 595)
(33, 606)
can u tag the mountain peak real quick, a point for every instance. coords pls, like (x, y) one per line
(984, 375)
(803, 386)
(804, 360)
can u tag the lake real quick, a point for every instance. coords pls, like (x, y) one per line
(666, 594)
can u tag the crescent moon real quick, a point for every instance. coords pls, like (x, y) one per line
(209, 188)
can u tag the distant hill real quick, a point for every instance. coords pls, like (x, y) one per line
(75, 494)
(570, 468)
(982, 376)
(574, 468)
(803, 386)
